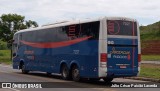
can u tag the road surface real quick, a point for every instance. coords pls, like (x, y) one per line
(7, 74)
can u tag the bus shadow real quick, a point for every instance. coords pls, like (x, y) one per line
(84, 83)
(42, 74)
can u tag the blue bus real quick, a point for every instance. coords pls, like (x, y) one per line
(103, 48)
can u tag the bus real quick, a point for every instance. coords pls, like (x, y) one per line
(103, 48)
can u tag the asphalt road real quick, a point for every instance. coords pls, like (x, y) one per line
(7, 74)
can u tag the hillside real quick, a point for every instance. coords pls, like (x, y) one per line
(150, 38)
(150, 32)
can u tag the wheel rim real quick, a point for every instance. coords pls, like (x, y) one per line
(23, 67)
(64, 72)
(76, 74)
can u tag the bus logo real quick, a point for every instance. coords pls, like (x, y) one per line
(113, 27)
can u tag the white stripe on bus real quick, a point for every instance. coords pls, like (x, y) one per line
(120, 36)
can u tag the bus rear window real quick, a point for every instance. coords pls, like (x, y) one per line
(121, 27)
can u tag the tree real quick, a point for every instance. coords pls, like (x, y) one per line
(31, 24)
(11, 23)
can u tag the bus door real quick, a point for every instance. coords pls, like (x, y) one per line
(122, 48)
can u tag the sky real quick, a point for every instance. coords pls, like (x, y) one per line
(51, 11)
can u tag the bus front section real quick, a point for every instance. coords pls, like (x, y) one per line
(123, 48)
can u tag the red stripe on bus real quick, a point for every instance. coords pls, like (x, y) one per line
(55, 44)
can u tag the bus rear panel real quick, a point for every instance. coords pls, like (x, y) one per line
(122, 48)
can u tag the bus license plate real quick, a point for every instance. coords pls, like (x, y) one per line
(123, 66)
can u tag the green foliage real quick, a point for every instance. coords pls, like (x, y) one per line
(3, 45)
(11, 23)
(150, 32)
(5, 56)
(155, 35)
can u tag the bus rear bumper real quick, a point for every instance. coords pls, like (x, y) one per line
(112, 75)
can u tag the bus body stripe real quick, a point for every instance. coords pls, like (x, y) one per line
(55, 44)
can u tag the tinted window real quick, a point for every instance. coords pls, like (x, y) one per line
(90, 29)
(63, 33)
(45, 35)
(82, 30)
(121, 27)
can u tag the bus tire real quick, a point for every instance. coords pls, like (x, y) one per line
(75, 73)
(23, 69)
(65, 72)
(108, 79)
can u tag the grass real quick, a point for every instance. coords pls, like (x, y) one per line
(151, 57)
(150, 71)
(5, 56)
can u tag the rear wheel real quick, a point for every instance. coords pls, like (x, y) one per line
(65, 72)
(108, 79)
(75, 73)
(24, 71)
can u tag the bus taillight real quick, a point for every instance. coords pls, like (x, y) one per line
(139, 57)
(103, 57)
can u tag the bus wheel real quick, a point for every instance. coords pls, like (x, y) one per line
(108, 79)
(65, 72)
(75, 73)
(23, 69)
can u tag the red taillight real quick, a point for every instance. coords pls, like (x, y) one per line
(103, 57)
(139, 57)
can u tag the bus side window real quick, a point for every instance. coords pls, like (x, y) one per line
(85, 30)
(72, 31)
(19, 40)
(94, 27)
(90, 29)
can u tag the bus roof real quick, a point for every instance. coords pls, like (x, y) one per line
(64, 23)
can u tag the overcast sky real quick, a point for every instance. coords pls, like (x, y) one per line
(50, 11)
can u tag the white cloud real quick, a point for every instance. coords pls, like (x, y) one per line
(45, 11)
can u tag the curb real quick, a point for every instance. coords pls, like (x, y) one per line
(144, 79)
(150, 62)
